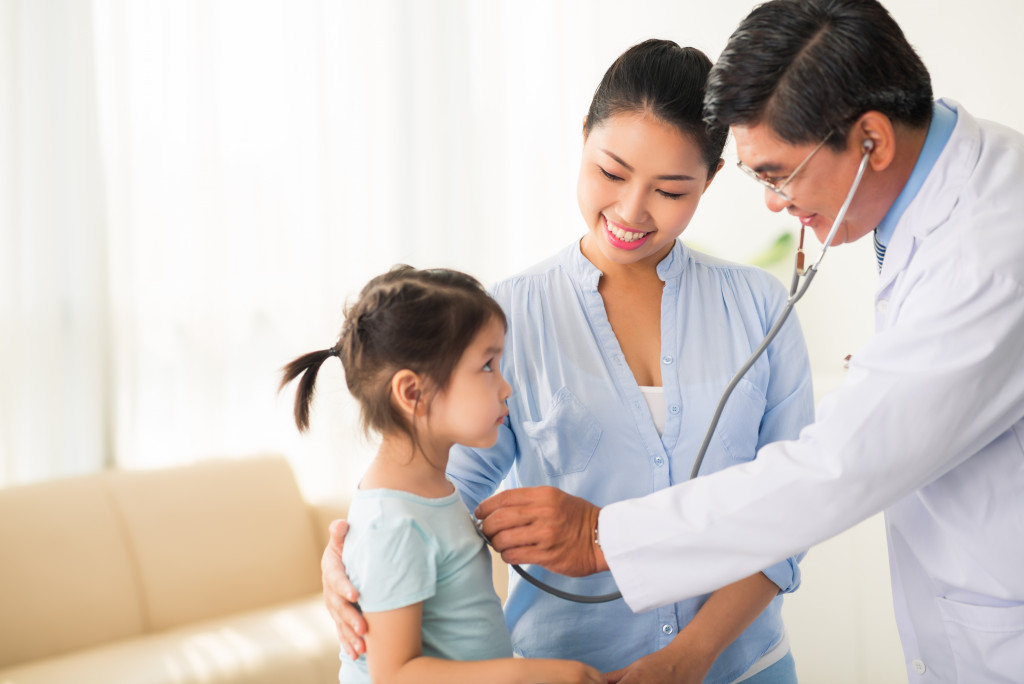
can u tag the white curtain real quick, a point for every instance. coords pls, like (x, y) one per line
(190, 189)
(56, 413)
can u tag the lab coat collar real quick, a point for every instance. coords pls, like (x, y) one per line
(938, 195)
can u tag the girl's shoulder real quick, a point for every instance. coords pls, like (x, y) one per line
(382, 500)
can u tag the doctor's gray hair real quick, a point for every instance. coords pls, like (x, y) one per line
(810, 67)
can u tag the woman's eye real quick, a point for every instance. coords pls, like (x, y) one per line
(671, 195)
(609, 176)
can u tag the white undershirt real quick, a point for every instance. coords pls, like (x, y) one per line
(655, 398)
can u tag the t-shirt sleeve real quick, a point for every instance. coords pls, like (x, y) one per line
(393, 564)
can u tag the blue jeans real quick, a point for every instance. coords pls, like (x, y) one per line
(782, 672)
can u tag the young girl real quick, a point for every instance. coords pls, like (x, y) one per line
(420, 349)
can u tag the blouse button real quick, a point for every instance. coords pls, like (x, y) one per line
(667, 629)
(667, 360)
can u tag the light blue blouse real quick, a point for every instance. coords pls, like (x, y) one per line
(578, 421)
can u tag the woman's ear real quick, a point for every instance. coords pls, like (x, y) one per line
(713, 174)
(407, 393)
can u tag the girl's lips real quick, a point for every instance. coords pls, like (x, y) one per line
(615, 234)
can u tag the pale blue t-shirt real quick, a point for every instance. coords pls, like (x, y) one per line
(579, 422)
(403, 549)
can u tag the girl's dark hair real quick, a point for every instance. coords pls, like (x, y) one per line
(808, 68)
(407, 318)
(667, 81)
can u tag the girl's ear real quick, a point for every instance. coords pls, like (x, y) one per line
(407, 392)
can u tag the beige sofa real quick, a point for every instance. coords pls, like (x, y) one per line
(203, 573)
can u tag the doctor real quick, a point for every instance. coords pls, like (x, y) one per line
(929, 425)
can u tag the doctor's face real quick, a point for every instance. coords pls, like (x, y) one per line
(817, 192)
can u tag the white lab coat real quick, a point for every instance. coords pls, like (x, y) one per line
(928, 426)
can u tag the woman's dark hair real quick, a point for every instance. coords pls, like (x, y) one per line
(421, 320)
(807, 68)
(667, 81)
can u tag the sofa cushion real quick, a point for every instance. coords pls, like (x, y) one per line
(290, 643)
(67, 580)
(217, 537)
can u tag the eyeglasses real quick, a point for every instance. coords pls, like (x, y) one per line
(776, 184)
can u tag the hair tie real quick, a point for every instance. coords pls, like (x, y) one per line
(333, 351)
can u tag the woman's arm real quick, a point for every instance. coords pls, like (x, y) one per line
(719, 622)
(395, 644)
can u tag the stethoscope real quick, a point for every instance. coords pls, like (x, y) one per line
(801, 281)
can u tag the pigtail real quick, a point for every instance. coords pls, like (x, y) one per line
(307, 366)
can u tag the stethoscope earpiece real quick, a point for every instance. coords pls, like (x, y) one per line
(868, 145)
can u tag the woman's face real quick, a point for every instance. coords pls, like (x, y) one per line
(640, 182)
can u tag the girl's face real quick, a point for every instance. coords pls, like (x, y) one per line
(472, 407)
(640, 182)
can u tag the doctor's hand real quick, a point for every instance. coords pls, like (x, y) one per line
(340, 595)
(544, 526)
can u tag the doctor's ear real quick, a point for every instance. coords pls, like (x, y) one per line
(874, 133)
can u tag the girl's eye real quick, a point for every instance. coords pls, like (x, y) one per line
(671, 195)
(609, 176)
(487, 366)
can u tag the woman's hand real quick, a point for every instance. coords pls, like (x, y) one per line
(340, 595)
(552, 671)
(670, 665)
(718, 623)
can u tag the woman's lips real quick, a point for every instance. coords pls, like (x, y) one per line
(622, 237)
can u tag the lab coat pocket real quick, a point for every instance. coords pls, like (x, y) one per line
(741, 422)
(987, 641)
(566, 437)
